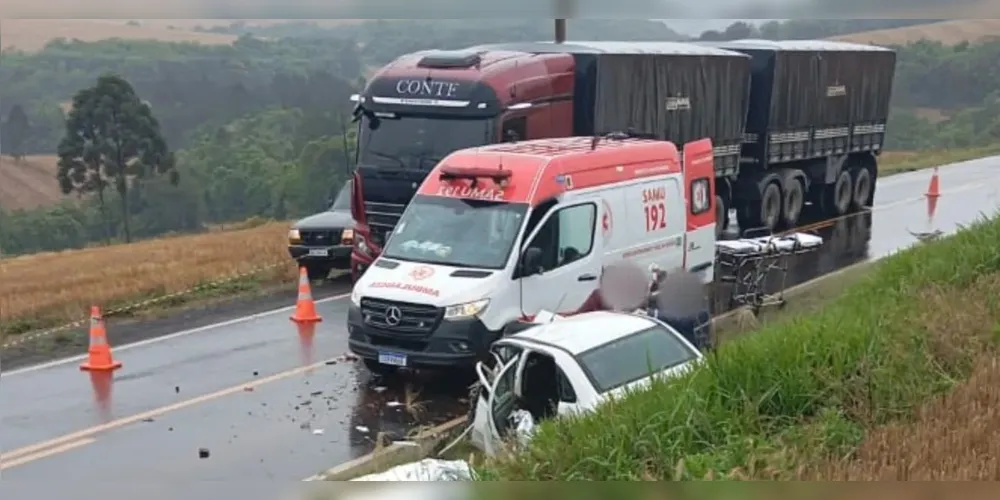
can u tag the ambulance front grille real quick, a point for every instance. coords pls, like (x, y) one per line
(414, 319)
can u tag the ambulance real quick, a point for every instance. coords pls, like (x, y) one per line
(496, 234)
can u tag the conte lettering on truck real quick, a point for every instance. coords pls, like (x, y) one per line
(470, 192)
(428, 88)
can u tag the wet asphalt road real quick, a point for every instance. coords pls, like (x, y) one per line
(267, 404)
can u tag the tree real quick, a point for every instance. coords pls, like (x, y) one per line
(112, 139)
(16, 132)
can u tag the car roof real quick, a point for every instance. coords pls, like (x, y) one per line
(582, 332)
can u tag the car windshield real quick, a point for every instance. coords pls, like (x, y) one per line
(418, 141)
(343, 200)
(634, 357)
(456, 232)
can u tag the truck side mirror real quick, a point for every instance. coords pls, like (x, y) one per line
(531, 262)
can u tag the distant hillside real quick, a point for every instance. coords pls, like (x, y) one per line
(947, 32)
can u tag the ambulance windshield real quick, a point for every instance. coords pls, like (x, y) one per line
(456, 232)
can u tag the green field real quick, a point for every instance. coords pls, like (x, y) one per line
(797, 397)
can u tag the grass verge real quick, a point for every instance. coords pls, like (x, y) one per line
(801, 390)
(51, 289)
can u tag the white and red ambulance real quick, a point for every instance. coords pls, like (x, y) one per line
(498, 233)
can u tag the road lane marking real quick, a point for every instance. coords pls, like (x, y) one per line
(244, 319)
(139, 417)
(15, 458)
(183, 333)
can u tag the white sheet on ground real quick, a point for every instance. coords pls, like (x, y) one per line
(770, 244)
(425, 470)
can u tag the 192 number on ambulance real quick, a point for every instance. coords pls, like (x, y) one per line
(654, 207)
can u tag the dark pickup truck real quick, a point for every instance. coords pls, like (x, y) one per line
(322, 242)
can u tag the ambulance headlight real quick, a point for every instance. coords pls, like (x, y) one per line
(466, 310)
(356, 297)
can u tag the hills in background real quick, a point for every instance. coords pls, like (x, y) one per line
(33, 34)
(30, 182)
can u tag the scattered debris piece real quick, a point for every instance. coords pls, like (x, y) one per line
(380, 389)
(248, 389)
(255, 374)
(317, 432)
(330, 362)
(203, 453)
(363, 429)
(393, 404)
(177, 389)
(304, 425)
(148, 420)
(316, 393)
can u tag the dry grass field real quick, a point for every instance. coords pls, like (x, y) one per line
(33, 34)
(955, 437)
(51, 288)
(28, 183)
(947, 32)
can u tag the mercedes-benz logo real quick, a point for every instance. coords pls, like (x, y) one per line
(393, 315)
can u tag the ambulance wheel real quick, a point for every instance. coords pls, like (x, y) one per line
(837, 196)
(792, 202)
(378, 368)
(862, 194)
(318, 272)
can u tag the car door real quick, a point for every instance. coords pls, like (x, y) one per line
(571, 260)
(500, 405)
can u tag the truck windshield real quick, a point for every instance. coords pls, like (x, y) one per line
(410, 141)
(456, 232)
(343, 200)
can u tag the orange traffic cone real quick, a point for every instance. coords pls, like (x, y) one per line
(932, 202)
(934, 189)
(305, 308)
(99, 354)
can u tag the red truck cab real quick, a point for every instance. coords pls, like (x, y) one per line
(423, 106)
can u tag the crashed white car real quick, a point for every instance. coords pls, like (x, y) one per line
(569, 365)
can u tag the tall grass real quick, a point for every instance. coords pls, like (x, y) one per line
(819, 380)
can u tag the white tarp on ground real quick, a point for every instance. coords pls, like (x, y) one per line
(425, 470)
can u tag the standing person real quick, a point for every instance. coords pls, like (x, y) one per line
(682, 304)
(622, 286)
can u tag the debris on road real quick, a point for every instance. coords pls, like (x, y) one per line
(317, 432)
(203, 453)
(363, 429)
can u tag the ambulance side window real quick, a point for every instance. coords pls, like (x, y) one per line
(567, 236)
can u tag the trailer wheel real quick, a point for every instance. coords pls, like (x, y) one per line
(762, 214)
(837, 197)
(793, 201)
(862, 190)
(721, 217)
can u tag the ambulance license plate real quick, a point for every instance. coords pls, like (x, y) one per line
(392, 359)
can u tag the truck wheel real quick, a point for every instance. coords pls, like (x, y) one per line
(318, 272)
(765, 213)
(862, 191)
(793, 201)
(378, 368)
(721, 217)
(837, 197)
